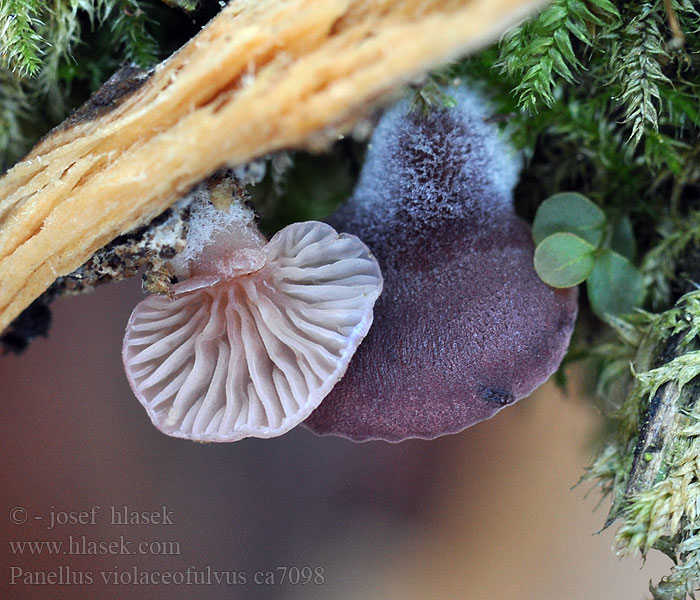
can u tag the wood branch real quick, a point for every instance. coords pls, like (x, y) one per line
(263, 75)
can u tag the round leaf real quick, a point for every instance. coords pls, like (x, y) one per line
(564, 260)
(569, 212)
(615, 286)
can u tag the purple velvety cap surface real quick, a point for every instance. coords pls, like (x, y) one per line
(454, 340)
(464, 326)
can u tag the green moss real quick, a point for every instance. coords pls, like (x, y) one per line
(54, 54)
(604, 101)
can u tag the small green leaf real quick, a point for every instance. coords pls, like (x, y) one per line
(564, 260)
(560, 66)
(622, 240)
(580, 9)
(615, 286)
(608, 7)
(579, 32)
(569, 212)
(552, 16)
(563, 42)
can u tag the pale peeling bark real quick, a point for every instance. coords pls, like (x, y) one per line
(262, 76)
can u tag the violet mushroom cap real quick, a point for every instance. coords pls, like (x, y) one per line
(464, 326)
(258, 336)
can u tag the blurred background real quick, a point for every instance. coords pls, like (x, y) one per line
(489, 513)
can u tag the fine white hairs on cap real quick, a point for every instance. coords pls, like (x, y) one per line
(252, 349)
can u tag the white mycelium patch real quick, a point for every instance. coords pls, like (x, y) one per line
(252, 352)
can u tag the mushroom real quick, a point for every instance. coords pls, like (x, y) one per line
(257, 334)
(464, 326)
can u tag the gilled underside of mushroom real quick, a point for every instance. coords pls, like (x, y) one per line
(257, 333)
(264, 75)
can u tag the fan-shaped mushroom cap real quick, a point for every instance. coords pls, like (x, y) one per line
(464, 326)
(252, 351)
